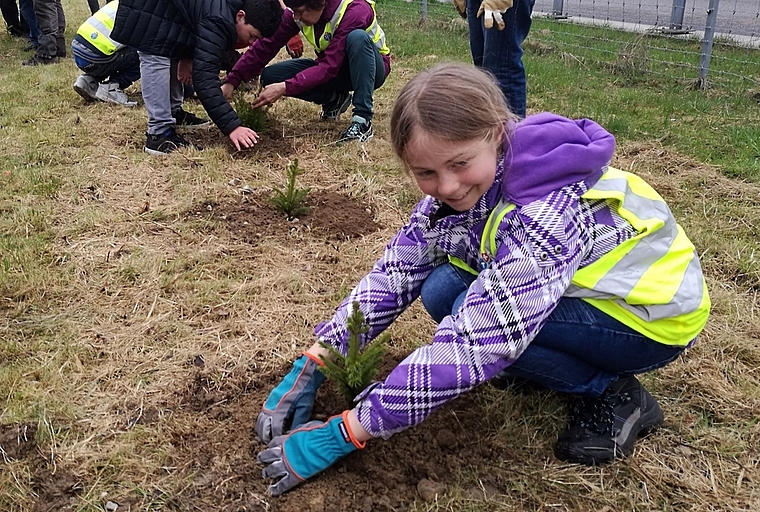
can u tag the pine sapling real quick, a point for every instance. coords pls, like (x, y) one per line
(354, 372)
(253, 118)
(290, 201)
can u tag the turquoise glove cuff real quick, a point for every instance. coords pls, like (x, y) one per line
(289, 404)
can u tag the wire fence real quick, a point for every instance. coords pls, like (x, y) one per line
(703, 43)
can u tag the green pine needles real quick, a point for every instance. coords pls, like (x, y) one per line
(354, 372)
(253, 118)
(290, 201)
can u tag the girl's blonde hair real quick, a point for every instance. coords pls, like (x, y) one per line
(455, 102)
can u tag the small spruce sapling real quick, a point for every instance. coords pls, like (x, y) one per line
(354, 372)
(253, 118)
(290, 201)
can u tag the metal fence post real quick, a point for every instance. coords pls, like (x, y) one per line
(423, 12)
(707, 43)
(558, 7)
(676, 14)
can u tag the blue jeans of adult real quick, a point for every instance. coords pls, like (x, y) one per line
(123, 67)
(27, 11)
(362, 71)
(500, 51)
(580, 350)
(161, 91)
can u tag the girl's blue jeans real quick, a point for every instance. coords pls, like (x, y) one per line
(580, 350)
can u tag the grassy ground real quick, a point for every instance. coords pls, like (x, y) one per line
(140, 332)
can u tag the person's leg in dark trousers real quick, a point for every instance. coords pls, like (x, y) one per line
(367, 66)
(27, 12)
(94, 7)
(10, 13)
(500, 51)
(52, 23)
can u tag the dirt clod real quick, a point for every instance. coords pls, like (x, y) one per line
(430, 490)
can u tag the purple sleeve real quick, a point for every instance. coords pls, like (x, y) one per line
(393, 283)
(252, 62)
(358, 15)
(504, 309)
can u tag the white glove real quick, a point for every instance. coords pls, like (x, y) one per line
(493, 10)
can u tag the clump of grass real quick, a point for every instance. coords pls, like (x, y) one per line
(254, 118)
(354, 371)
(290, 200)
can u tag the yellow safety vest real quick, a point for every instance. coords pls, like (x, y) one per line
(374, 30)
(97, 29)
(652, 283)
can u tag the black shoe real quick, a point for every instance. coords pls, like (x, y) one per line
(165, 143)
(604, 428)
(37, 61)
(359, 130)
(187, 120)
(331, 111)
(16, 31)
(31, 47)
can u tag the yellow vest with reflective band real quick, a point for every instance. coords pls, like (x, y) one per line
(374, 30)
(97, 29)
(652, 282)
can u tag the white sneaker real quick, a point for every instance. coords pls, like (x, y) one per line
(87, 87)
(112, 92)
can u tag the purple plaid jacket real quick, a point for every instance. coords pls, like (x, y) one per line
(548, 163)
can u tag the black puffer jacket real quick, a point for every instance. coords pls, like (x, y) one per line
(201, 30)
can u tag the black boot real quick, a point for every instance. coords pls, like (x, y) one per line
(604, 428)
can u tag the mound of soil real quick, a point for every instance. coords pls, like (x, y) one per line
(254, 217)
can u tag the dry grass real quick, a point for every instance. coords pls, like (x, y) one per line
(113, 301)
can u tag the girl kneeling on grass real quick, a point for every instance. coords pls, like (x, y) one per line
(538, 261)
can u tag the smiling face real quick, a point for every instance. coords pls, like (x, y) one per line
(307, 15)
(454, 172)
(246, 34)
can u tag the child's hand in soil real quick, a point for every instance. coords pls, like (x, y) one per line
(306, 451)
(290, 403)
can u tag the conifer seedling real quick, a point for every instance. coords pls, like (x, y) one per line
(290, 201)
(253, 118)
(354, 372)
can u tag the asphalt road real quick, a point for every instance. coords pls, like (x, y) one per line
(736, 17)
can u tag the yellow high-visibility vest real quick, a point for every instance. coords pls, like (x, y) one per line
(652, 283)
(374, 30)
(97, 29)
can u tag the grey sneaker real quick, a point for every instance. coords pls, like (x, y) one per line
(165, 143)
(604, 428)
(87, 87)
(189, 120)
(359, 130)
(111, 92)
(331, 111)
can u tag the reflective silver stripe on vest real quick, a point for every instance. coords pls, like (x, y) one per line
(620, 279)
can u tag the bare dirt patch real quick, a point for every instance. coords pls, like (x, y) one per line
(53, 486)
(253, 217)
(215, 449)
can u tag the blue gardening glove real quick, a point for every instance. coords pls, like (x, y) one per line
(306, 451)
(289, 404)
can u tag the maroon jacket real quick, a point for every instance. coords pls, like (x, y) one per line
(358, 15)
